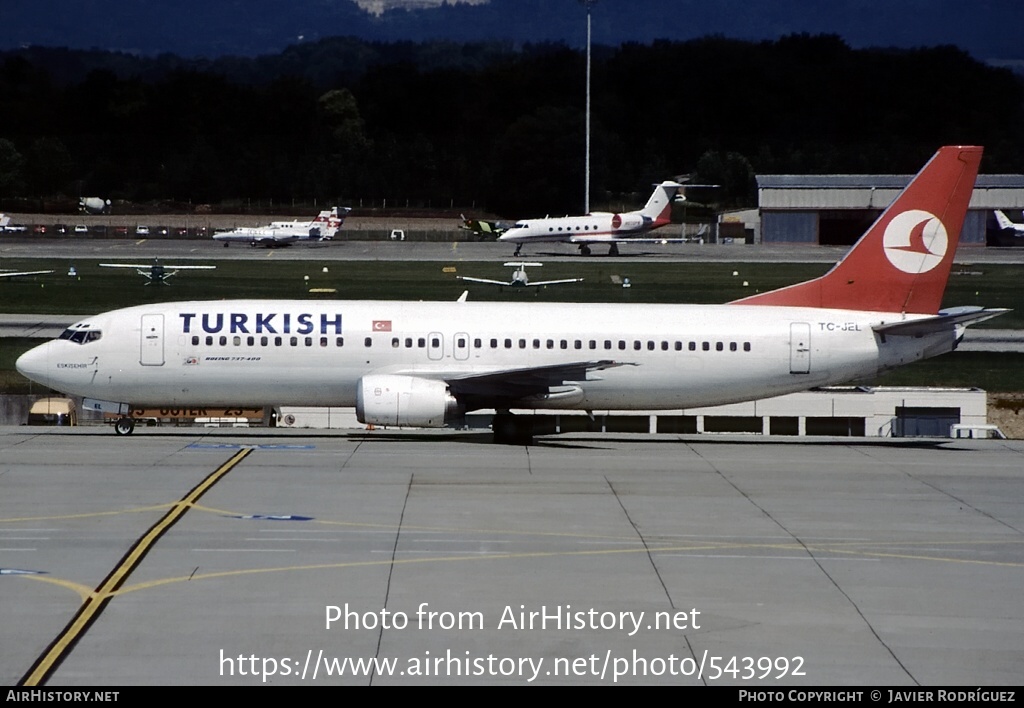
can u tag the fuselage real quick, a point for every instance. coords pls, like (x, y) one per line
(275, 352)
(279, 232)
(595, 227)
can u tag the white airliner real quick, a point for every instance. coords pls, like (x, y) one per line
(599, 227)
(425, 364)
(284, 233)
(1004, 223)
(519, 277)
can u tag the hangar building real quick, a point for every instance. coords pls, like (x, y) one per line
(834, 210)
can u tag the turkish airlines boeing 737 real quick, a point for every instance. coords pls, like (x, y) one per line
(425, 364)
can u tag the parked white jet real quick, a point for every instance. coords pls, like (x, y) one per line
(425, 364)
(519, 277)
(284, 233)
(599, 226)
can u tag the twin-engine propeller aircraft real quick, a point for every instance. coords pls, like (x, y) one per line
(600, 227)
(285, 233)
(156, 272)
(519, 277)
(425, 364)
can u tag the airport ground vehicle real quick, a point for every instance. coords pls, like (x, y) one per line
(53, 411)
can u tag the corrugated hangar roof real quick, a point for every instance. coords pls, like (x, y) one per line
(873, 191)
(869, 181)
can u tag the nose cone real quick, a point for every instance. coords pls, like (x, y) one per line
(32, 364)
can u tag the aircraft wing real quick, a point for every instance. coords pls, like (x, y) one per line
(485, 280)
(26, 272)
(554, 282)
(261, 239)
(610, 238)
(493, 388)
(150, 265)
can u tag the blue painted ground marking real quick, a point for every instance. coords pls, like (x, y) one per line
(273, 517)
(16, 571)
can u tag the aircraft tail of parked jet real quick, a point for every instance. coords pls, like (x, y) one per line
(1004, 223)
(901, 264)
(658, 208)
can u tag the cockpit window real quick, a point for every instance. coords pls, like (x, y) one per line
(81, 336)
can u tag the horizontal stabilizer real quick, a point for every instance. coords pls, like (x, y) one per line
(944, 321)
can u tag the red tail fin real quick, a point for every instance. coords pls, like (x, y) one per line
(902, 262)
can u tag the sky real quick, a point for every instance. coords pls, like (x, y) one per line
(990, 30)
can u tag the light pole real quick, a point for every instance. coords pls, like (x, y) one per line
(586, 163)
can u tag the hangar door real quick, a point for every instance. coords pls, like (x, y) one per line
(924, 421)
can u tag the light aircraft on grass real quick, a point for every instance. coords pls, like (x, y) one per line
(156, 272)
(425, 364)
(285, 233)
(600, 227)
(519, 277)
(11, 274)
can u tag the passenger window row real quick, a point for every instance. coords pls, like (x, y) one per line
(478, 343)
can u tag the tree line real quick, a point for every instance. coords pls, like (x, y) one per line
(487, 126)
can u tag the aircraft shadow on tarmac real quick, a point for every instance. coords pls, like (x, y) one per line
(577, 441)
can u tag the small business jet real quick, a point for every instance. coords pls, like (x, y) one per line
(285, 233)
(426, 364)
(156, 272)
(600, 227)
(519, 277)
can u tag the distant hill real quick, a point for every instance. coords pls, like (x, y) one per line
(988, 30)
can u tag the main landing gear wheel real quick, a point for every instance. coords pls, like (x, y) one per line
(584, 249)
(614, 250)
(124, 426)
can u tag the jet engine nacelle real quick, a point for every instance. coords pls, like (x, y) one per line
(627, 221)
(388, 399)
